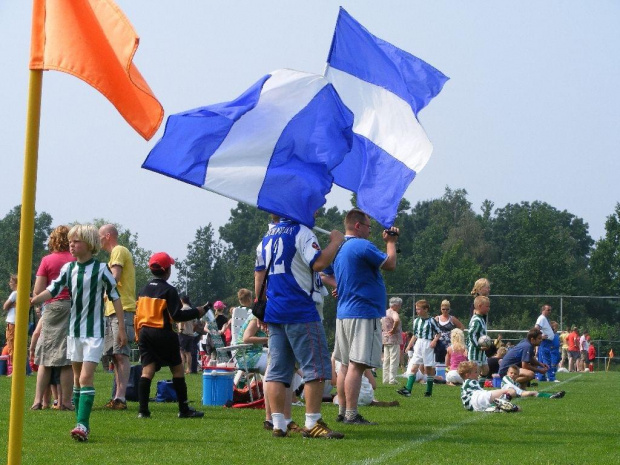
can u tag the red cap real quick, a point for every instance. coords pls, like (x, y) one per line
(161, 260)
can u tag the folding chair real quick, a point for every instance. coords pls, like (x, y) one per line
(239, 315)
(237, 354)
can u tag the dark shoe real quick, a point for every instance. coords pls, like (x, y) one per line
(428, 394)
(359, 420)
(506, 406)
(118, 404)
(191, 413)
(558, 395)
(321, 431)
(404, 392)
(340, 418)
(110, 404)
(144, 415)
(268, 425)
(293, 428)
(278, 433)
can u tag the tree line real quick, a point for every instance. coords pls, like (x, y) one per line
(523, 249)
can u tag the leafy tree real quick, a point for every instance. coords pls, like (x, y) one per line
(9, 238)
(605, 260)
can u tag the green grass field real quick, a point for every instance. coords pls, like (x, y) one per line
(578, 429)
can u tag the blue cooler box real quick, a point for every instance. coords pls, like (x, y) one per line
(217, 387)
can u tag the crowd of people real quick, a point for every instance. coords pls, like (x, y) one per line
(96, 305)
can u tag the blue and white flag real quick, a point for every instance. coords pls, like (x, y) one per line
(274, 147)
(384, 87)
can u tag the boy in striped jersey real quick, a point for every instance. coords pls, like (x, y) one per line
(511, 381)
(88, 280)
(426, 333)
(476, 399)
(478, 328)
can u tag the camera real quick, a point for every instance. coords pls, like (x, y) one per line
(390, 232)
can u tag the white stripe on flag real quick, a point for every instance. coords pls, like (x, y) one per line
(383, 118)
(239, 165)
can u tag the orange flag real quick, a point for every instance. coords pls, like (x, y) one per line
(94, 41)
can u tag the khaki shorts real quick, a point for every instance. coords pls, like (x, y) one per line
(111, 346)
(358, 340)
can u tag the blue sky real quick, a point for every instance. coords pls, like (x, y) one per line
(531, 112)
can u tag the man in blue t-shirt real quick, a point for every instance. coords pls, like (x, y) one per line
(361, 303)
(523, 355)
(291, 254)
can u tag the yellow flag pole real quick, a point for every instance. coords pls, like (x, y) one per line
(24, 269)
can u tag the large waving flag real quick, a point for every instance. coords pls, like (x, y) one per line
(273, 147)
(384, 87)
(94, 41)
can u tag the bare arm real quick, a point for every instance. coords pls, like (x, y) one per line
(40, 298)
(117, 272)
(390, 243)
(120, 316)
(40, 283)
(328, 253)
(396, 327)
(259, 277)
(328, 280)
(458, 323)
(249, 335)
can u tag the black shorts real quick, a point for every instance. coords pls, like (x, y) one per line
(159, 346)
(186, 342)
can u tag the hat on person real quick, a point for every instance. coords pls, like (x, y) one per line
(219, 305)
(160, 260)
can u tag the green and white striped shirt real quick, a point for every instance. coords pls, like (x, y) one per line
(507, 382)
(425, 328)
(88, 282)
(477, 328)
(468, 388)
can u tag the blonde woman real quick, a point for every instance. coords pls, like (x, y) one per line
(446, 324)
(456, 353)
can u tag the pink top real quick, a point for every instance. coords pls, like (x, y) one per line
(50, 268)
(457, 358)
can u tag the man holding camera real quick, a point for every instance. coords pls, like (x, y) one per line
(361, 299)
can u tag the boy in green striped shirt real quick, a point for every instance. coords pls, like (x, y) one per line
(426, 333)
(477, 328)
(88, 280)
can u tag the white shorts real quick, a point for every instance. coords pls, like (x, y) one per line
(423, 353)
(453, 377)
(84, 349)
(481, 400)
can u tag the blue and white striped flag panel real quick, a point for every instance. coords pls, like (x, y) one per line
(273, 147)
(384, 87)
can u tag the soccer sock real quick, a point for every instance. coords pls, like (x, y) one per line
(545, 395)
(311, 419)
(76, 401)
(350, 414)
(342, 410)
(180, 388)
(278, 421)
(87, 398)
(144, 392)
(429, 384)
(410, 382)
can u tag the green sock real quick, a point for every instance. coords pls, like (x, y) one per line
(87, 398)
(410, 382)
(545, 395)
(429, 384)
(76, 400)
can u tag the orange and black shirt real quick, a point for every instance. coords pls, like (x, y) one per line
(159, 306)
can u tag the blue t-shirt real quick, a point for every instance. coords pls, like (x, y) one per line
(522, 352)
(361, 290)
(291, 278)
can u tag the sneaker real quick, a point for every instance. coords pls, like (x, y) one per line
(428, 394)
(191, 413)
(558, 395)
(80, 433)
(268, 425)
(506, 406)
(556, 381)
(118, 404)
(404, 392)
(321, 431)
(110, 404)
(359, 420)
(340, 418)
(293, 428)
(278, 433)
(144, 415)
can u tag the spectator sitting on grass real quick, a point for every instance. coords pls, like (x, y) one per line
(456, 353)
(367, 390)
(523, 356)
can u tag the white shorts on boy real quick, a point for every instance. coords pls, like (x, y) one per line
(481, 400)
(423, 353)
(84, 349)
